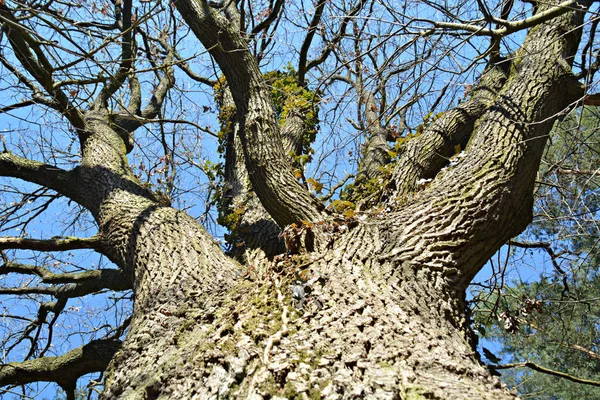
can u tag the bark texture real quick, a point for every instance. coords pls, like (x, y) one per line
(364, 329)
(269, 169)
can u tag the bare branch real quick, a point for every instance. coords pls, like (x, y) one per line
(42, 174)
(509, 27)
(567, 171)
(312, 29)
(185, 67)
(123, 13)
(337, 37)
(110, 277)
(264, 24)
(129, 123)
(54, 244)
(65, 369)
(33, 59)
(69, 285)
(547, 247)
(544, 370)
(587, 352)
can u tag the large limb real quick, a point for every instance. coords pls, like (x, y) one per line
(71, 284)
(254, 233)
(425, 155)
(54, 244)
(172, 263)
(271, 174)
(62, 286)
(470, 210)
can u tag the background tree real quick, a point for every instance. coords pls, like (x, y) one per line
(556, 314)
(368, 298)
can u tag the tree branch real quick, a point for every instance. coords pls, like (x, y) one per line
(185, 67)
(336, 39)
(592, 99)
(509, 27)
(54, 244)
(425, 155)
(587, 352)
(71, 284)
(553, 256)
(312, 29)
(567, 171)
(544, 370)
(497, 171)
(123, 14)
(128, 123)
(65, 369)
(112, 278)
(52, 177)
(271, 174)
(33, 59)
(264, 24)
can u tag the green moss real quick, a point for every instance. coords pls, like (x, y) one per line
(369, 190)
(290, 95)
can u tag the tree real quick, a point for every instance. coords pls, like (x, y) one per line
(368, 299)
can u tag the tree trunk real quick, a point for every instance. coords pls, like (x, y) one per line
(349, 321)
(363, 328)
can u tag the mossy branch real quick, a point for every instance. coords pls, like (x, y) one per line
(112, 278)
(46, 175)
(71, 284)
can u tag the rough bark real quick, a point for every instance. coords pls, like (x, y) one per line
(364, 328)
(423, 158)
(375, 154)
(255, 235)
(65, 369)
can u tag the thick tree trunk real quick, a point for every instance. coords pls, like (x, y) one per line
(350, 321)
(377, 309)
(364, 328)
